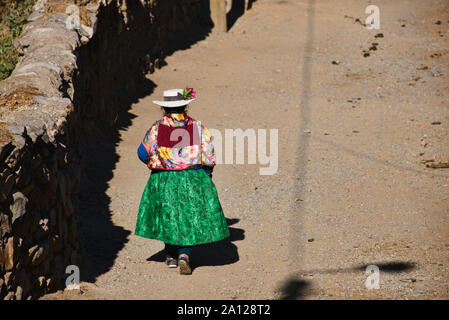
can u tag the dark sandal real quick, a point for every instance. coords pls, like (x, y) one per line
(184, 267)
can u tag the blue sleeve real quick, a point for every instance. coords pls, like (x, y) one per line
(143, 154)
(208, 169)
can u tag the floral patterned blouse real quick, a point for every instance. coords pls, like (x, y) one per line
(186, 154)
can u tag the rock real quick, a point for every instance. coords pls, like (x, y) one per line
(308, 274)
(84, 40)
(41, 282)
(5, 225)
(19, 206)
(92, 6)
(42, 231)
(422, 67)
(7, 257)
(35, 15)
(424, 141)
(93, 22)
(7, 181)
(23, 177)
(32, 250)
(437, 164)
(50, 283)
(86, 31)
(8, 277)
(22, 278)
(18, 293)
(40, 254)
(17, 131)
(5, 149)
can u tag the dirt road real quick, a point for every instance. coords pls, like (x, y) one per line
(356, 111)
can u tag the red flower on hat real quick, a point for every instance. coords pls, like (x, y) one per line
(189, 93)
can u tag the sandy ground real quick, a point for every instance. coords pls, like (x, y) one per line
(350, 190)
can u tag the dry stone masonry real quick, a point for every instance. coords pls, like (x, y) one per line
(67, 91)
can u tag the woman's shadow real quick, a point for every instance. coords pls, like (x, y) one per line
(212, 254)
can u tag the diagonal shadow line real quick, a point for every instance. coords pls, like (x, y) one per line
(368, 157)
(304, 113)
(293, 288)
(384, 266)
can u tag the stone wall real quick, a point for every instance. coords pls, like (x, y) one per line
(66, 96)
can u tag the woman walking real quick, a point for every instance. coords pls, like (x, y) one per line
(180, 204)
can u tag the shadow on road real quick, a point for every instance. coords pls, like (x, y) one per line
(294, 288)
(385, 266)
(297, 288)
(219, 253)
(101, 239)
(303, 143)
(237, 10)
(391, 266)
(212, 254)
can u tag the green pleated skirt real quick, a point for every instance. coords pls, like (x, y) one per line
(181, 208)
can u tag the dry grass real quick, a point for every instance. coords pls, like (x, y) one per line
(13, 15)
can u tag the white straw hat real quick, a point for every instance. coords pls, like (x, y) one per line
(173, 98)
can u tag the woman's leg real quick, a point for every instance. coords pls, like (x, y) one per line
(184, 258)
(171, 250)
(171, 254)
(185, 250)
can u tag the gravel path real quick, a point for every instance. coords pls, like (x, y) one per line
(351, 189)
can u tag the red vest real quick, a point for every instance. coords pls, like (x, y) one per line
(178, 137)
